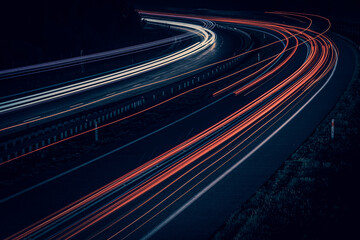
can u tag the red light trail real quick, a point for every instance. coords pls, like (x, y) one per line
(205, 153)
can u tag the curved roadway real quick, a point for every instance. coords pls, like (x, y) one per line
(184, 180)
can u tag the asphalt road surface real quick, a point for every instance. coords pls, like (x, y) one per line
(123, 84)
(184, 180)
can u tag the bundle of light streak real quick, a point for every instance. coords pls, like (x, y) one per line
(118, 211)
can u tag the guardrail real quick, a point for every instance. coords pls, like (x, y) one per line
(31, 139)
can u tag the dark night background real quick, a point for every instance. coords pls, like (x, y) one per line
(45, 30)
(328, 8)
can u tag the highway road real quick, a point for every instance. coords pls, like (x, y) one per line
(183, 180)
(12, 110)
(41, 106)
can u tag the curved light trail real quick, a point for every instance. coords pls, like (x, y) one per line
(208, 39)
(242, 22)
(63, 63)
(123, 207)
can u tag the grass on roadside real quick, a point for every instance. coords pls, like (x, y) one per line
(314, 193)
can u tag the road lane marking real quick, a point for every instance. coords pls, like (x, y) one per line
(113, 151)
(187, 135)
(28, 120)
(108, 153)
(110, 94)
(218, 179)
(76, 105)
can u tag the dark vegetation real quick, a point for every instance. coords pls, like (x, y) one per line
(314, 193)
(312, 196)
(43, 30)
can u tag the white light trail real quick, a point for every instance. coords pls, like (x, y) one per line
(208, 38)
